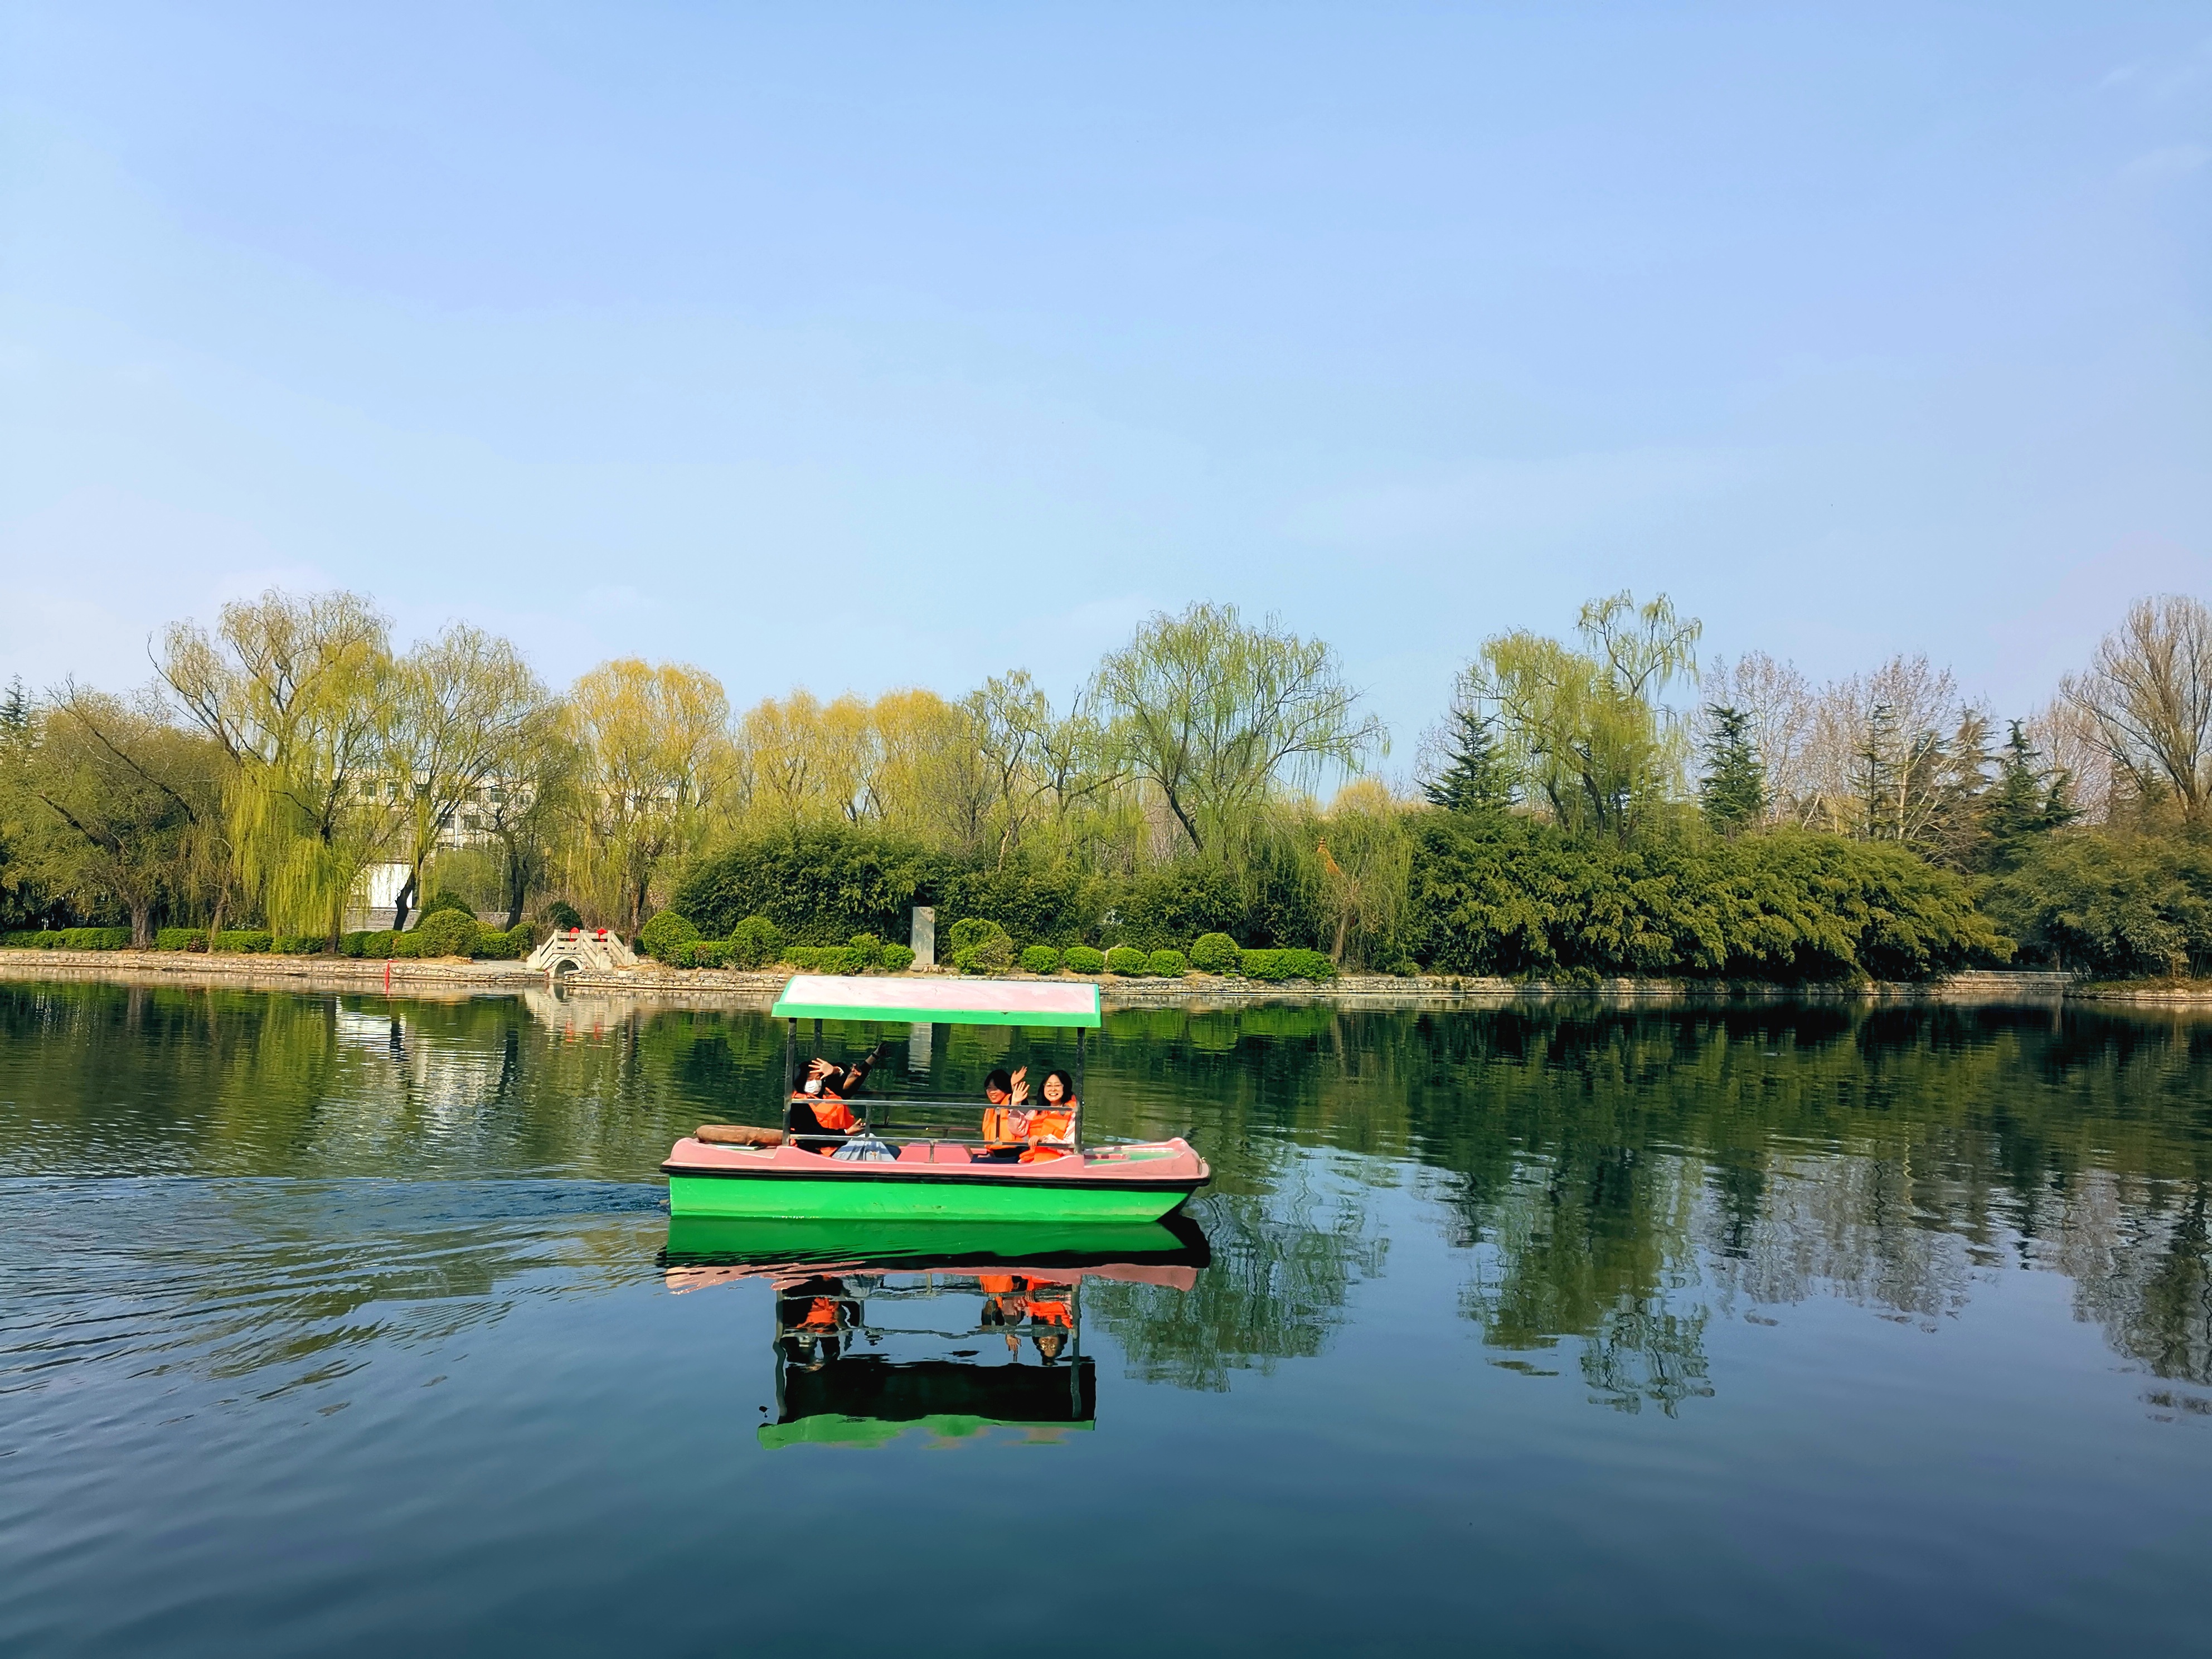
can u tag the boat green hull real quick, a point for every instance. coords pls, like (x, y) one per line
(850, 1199)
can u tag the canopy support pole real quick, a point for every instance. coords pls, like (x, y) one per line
(790, 1058)
(1076, 1128)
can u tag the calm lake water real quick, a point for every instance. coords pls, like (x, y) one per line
(339, 1325)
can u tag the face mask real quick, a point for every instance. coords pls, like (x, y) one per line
(813, 1085)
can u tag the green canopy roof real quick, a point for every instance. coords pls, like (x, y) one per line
(941, 1001)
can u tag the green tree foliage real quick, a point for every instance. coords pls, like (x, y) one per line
(1583, 731)
(2027, 803)
(1733, 790)
(134, 806)
(1217, 714)
(464, 715)
(1474, 776)
(820, 884)
(653, 745)
(2114, 904)
(1516, 897)
(296, 691)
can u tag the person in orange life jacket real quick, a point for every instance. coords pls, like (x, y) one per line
(1005, 1090)
(1030, 1136)
(817, 1117)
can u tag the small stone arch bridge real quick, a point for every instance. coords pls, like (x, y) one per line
(581, 950)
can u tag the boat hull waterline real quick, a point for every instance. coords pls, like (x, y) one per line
(1120, 1183)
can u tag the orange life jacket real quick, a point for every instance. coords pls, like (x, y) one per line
(997, 1284)
(831, 1113)
(821, 1315)
(1013, 1126)
(1050, 1313)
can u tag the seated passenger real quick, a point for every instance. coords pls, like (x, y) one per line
(1047, 1130)
(817, 1118)
(1005, 1091)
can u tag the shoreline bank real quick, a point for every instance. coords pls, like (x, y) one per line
(737, 988)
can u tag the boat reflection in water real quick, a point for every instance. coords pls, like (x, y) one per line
(952, 1330)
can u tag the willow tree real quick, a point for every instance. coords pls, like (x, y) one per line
(296, 691)
(1218, 716)
(1584, 731)
(653, 750)
(1365, 852)
(465, 716)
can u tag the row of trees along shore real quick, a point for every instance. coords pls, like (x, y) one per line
(1597, 804)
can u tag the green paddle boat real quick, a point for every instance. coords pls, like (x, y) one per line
(937, 1166)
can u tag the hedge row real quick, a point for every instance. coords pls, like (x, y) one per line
(445, 933)
(974, 945)
(69, 938)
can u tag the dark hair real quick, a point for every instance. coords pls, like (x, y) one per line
(1002, 1079)
(835, 1080)
(1067, 1087)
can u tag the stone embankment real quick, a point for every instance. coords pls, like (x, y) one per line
(730, 987)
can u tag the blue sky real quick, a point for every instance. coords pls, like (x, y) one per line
(864, 346)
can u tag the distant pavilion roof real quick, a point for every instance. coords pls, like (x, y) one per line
(940, 1001)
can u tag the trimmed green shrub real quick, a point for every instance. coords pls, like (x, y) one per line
(704, 953)
(513, 945)
(70, 939)
(1214, 953)
(664, 933)
(755, 943)
(181, 938)
(867, 950)
(445, 899)
(448, 933)
(1082, 959)
(969, 933)
(824, 958)
(562, 914)
(1040, 959)
(897, 958)
(1167, 964)
(403, 947)
(993, 954)
(298, 944)
(245, 940)
(1125, 959)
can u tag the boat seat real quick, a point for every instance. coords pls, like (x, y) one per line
(923, 1151)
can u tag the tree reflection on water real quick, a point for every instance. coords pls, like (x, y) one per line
(1608, 1183)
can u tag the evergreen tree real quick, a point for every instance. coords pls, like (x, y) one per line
(1477, 780)
(1733, 793)
(15, 710)
(2028, 800)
